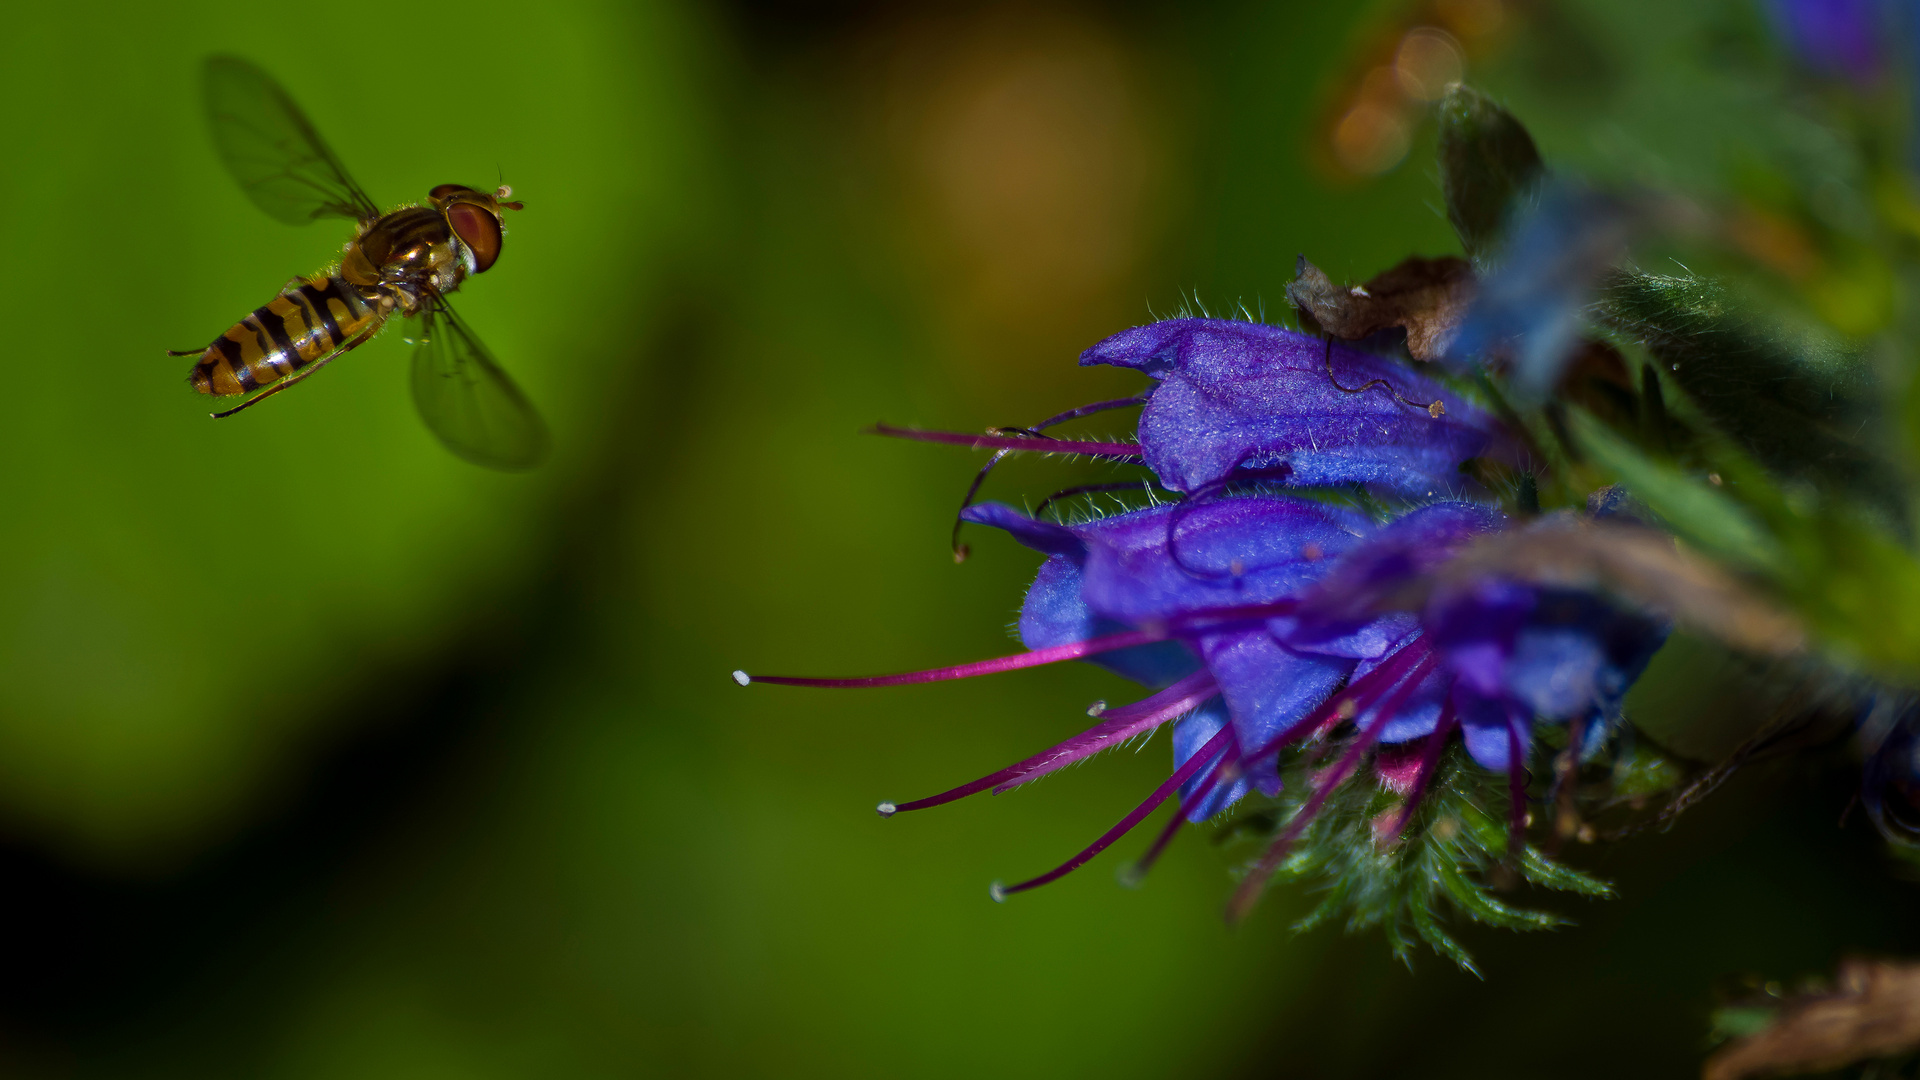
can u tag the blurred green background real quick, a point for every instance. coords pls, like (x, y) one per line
(323, 754)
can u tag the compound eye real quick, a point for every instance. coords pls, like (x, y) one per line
(445, 190)
(477, 229)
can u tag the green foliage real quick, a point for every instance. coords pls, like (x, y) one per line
(1488, 165)
(1702, 512)
(1451, 852)
(1797, 401)
(1739, 1021)
(1640, 770)
(1856, 587)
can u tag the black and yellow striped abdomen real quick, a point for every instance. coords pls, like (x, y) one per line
(299, 326)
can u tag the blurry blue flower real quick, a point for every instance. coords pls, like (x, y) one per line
(1890, 781)
(1529, 310)
(1840, 38)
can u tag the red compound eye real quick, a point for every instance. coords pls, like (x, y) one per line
(477, 229)
(445, 190)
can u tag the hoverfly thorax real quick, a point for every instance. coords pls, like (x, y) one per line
(474, 217)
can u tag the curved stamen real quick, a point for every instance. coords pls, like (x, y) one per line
(1201, 496)
(959, 549)
(1216, 745)
(1091, 489)
(1256, 882)
(1073, 650)
(1566, 778)
(1042, 444)
(1435, 409)
(1118, 726)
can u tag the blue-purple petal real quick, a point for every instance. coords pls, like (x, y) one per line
(1226, 552)
(1055, 614)
(1190, 733)
(1239, 395)
(1041, 536)
(1486, 724)
(1420, 713)
(1268, 687)
(1356, 591)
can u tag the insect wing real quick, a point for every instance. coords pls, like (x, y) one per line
(272, 149)
(468, 401)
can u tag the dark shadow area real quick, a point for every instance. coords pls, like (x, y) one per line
(1761, 880)
(93, 959)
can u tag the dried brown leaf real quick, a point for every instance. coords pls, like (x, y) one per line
(1425, 297)
(1873, 1012)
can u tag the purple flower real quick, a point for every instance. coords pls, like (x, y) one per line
(1265, 620)
(1239, 396)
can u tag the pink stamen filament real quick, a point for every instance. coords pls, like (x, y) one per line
(1250, 889)
(1072, 650)
(1359, 696)
(1429, 763)
(1214, 746)
(1117, 726)
(1138, 871)
(1034, 444)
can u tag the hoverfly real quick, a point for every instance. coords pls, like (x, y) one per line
(400, 263)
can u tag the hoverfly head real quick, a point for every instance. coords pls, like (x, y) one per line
(474, 216)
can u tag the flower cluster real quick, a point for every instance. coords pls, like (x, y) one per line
(1405, 563)
(1270, 612)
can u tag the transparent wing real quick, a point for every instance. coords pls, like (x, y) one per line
(272, 149)
(467, 400)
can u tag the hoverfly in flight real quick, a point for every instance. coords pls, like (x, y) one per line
(401, 263)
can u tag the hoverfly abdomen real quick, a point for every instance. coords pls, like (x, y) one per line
(306, 322)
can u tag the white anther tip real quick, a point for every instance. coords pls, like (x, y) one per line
(1131, 876)
(742, 678)
(1096, 708)
(886, 809)
(998, 892)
